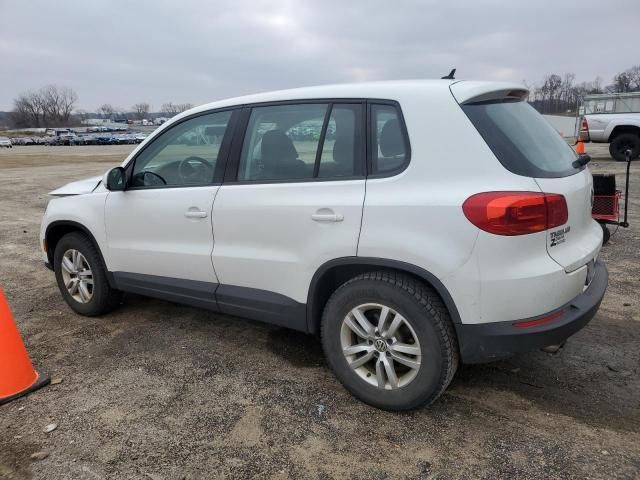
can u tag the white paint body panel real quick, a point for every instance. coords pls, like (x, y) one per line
(87, 210)
(86, 185)
(148, 232)
(265, 237)
(583, 240)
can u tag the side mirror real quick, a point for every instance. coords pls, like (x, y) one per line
(115, 179)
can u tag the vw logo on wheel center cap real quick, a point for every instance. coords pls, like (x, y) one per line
(380, 345)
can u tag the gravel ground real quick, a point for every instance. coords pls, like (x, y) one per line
(157, 390)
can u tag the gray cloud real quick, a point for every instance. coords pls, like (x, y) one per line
(123, 52)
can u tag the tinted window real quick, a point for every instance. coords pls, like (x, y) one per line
(184, 155)
(341, 151)
(521, 139)
(281, 142)
(389, 147)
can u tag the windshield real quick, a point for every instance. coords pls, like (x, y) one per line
(524, 142)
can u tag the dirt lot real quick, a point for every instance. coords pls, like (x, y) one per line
(161, 391)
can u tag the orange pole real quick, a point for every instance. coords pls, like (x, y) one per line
(580, 147)
(17, 375)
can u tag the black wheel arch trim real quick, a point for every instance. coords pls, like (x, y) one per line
(87, 232)
(313, 324)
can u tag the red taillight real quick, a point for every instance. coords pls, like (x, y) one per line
(584, 126)
(515, 213)
(584, 131)
(538, 321)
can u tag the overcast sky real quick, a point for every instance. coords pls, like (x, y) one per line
(124, 52)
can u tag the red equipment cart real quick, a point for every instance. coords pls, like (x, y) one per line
(606, 200)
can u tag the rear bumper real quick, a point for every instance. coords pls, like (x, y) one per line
(492, 341)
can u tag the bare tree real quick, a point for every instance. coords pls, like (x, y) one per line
(27, 110)
(172, 109)
(141, 110)
(567, 88)
(58, 103)
(621, 83)
(49, 106)
(68, 99)
(634, 77)
(169, 109)
(627, 81)
(106, 110)
(596, 85)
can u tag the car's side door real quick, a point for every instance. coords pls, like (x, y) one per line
(159, 229)
(292, 200)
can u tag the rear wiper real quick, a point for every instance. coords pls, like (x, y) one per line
(581, 161)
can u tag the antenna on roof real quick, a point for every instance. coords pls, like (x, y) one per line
(450, 76)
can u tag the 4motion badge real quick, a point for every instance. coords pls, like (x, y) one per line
(559, 236)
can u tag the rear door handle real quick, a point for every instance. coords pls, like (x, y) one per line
(195, 213)
(327, 217)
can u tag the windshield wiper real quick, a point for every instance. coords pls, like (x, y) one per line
(581, 161)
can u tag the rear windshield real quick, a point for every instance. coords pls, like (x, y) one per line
(521, 138)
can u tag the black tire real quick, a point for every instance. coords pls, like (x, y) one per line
(423, 309)
(104, 298)
(623, 142)
(606, 233)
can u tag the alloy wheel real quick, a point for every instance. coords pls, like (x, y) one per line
(380, 346)
(77, 276)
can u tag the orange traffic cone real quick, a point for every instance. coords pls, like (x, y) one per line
(580, 147)
(17, 376)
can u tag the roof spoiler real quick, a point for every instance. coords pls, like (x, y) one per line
(473, 92)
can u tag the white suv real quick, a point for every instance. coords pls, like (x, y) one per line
(413, 224)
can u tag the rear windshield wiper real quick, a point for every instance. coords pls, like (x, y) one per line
(581, 161)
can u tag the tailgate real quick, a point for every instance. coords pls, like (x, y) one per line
(579, 240)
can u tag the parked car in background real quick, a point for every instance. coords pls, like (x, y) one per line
(612, 119)
(105, 139)
(474, 239)
(5, 142)
(23, 141)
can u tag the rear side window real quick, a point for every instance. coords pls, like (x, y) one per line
(521, 139)
(341, 151)
(302, 142)
(389, 144)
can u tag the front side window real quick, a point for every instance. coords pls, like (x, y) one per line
(184, 155)
(389, 146)
(298, 142)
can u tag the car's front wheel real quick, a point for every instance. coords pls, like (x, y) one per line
(81, 276)
(389, 340)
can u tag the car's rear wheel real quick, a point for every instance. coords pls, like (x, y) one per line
(82, 277)
(389, 340)
(623, 142)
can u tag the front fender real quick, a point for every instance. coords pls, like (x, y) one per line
(85, 212)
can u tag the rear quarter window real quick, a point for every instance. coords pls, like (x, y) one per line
(390, 151)
(522, 140)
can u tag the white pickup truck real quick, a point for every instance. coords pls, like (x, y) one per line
(611, 119)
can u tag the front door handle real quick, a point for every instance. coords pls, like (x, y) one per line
(195, 213)
(326, 215)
